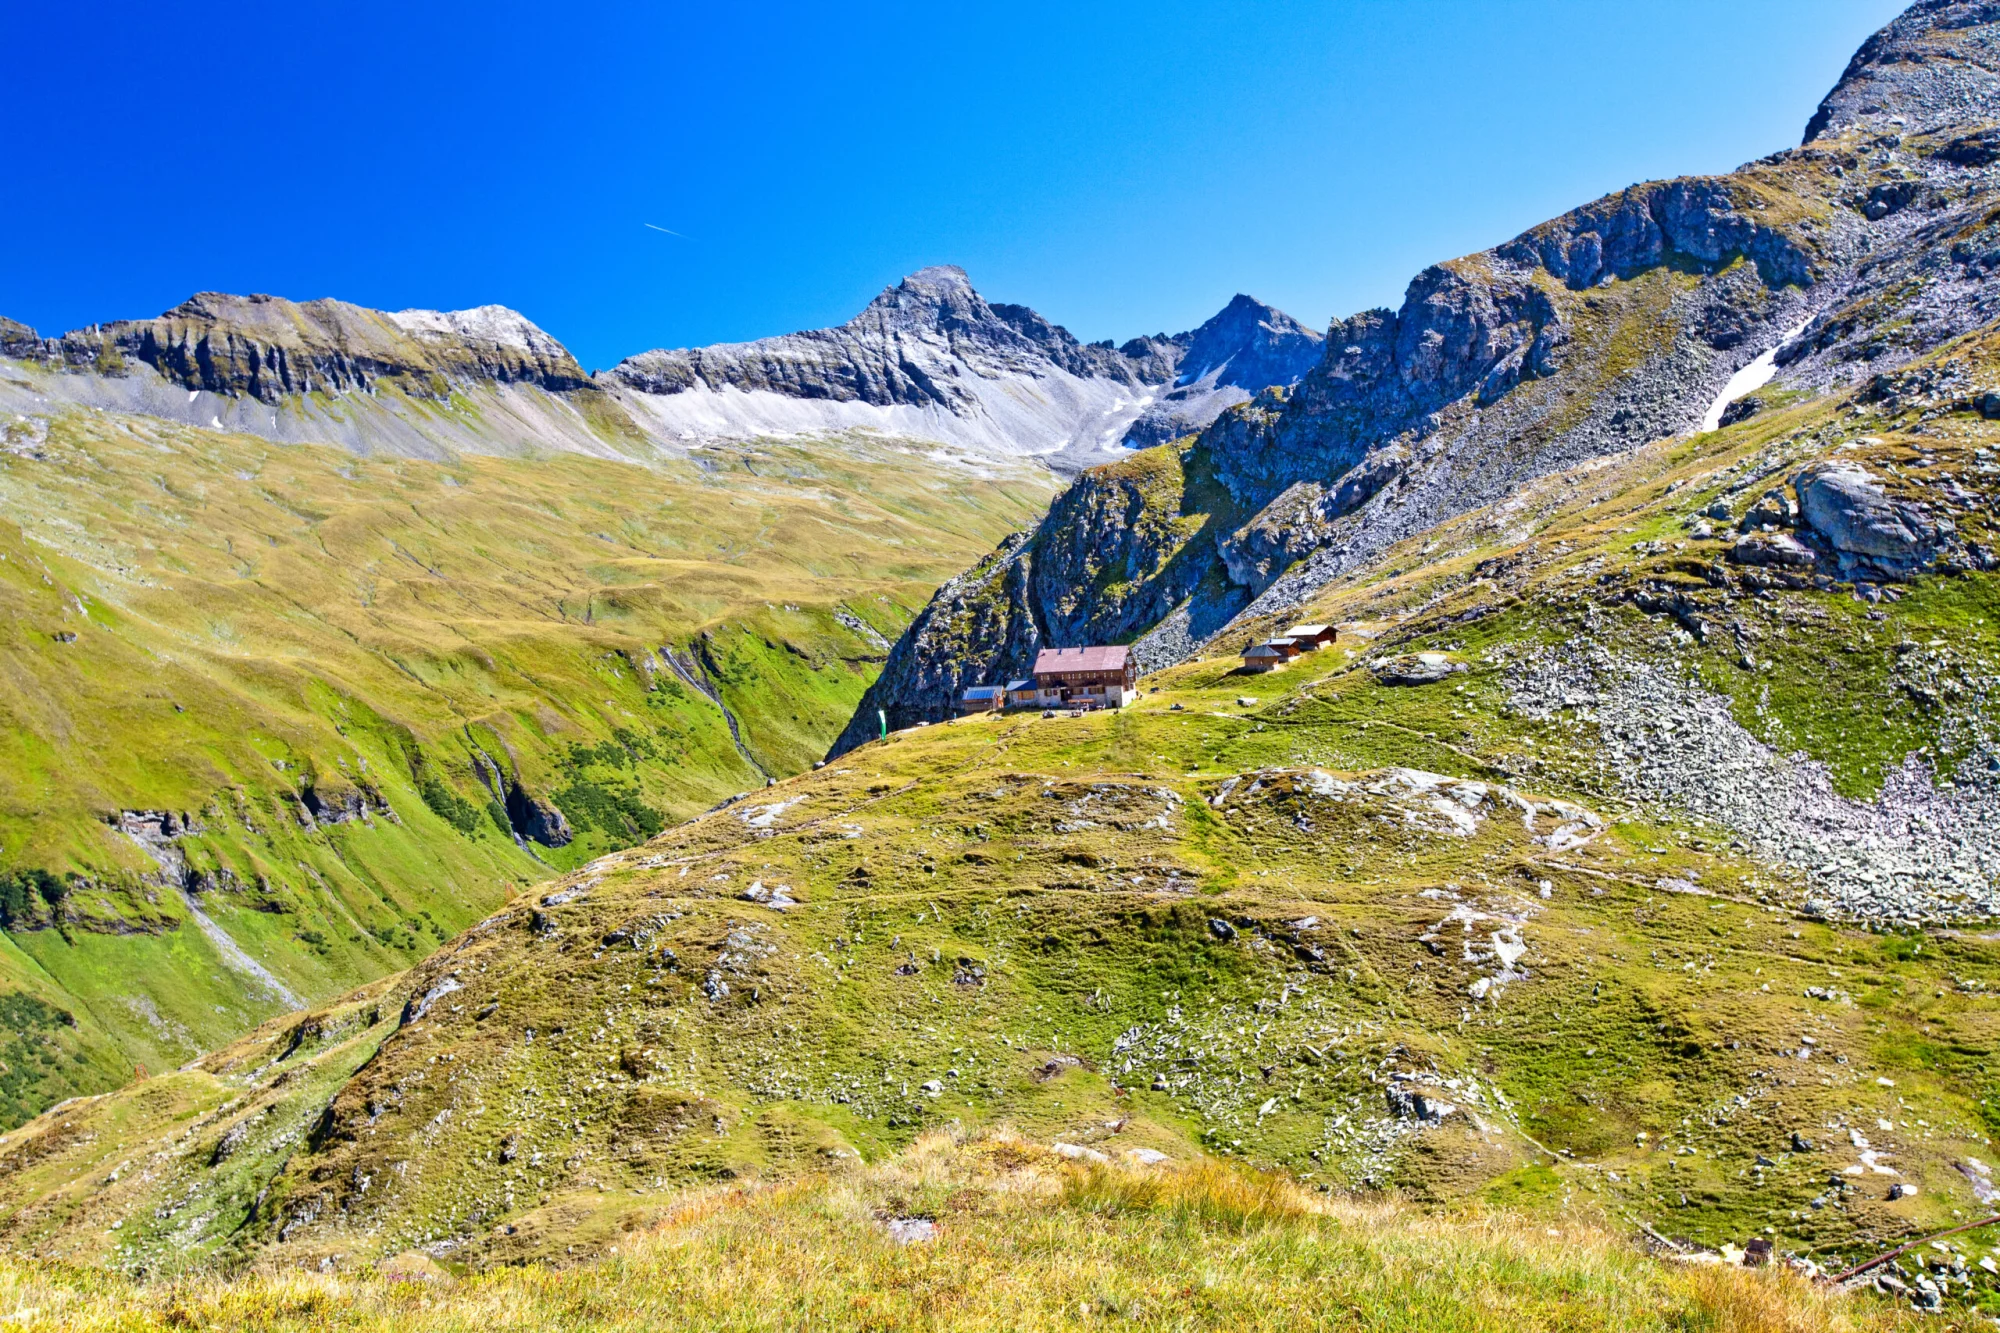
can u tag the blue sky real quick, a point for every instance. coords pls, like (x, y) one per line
(1123, 168)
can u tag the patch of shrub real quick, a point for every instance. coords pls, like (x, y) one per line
(28, 894)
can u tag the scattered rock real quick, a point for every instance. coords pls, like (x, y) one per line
(411, 1266)
(910, 1230)
(1078, 1153)
(1773, 549)
(777, 897)
(1420, 669)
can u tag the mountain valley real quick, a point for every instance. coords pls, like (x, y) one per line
(525, 823)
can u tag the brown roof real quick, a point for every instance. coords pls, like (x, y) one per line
(1052, 660)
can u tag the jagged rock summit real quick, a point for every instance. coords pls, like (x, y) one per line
(1615, 325)
(916, 344)
(1247, 346)
(1936, 65)
(932, 359)
(929, 360)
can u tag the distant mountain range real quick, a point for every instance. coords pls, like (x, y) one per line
(929, 360)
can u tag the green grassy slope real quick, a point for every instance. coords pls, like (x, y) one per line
(1022, 1238)
(338, 673)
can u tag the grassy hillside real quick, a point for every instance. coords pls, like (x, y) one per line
(1024, 1239)
(371, 697)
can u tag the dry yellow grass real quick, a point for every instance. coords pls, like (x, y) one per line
(1024, 1241)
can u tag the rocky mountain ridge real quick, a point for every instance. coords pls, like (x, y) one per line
(929, 360)
(1614, 325)
(266, 348)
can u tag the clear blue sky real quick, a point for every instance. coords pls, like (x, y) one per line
(1124, 168)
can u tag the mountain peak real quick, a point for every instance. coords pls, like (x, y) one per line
(937, 276)
(938, 296)
(1250, 345)
(1937, 64)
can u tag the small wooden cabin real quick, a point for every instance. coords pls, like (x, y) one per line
(982, 699)
(1310, 637)
(1262, 657)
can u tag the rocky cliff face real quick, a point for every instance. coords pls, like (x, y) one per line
(265, 347)
(1126, 558)
(1611, 326)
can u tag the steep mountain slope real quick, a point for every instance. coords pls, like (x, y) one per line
(1611, 326)
(280, 720)
(1662, 899)
(929, 360)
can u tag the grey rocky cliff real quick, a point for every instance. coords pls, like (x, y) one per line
(1604, 329)
(1116, 553)
(266, 347)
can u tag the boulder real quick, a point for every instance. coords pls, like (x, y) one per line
(1741, 410)
(1846, 507)
(1774, 509)
(1772, 549)
(1408, 1104)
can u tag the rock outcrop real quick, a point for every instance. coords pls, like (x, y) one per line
(1868, 533)
(265, 347)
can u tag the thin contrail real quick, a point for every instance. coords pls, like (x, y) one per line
(668, 230)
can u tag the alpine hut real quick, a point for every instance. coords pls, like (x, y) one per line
(982, 699)
(1310, 637)
(1262, 657)
(1097, 677)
